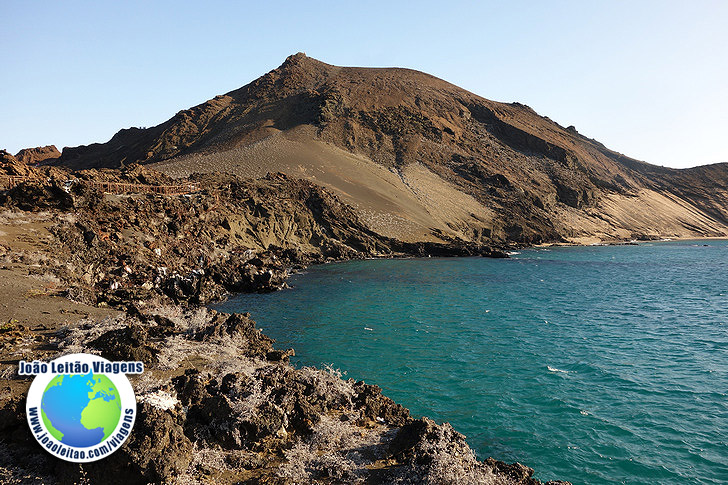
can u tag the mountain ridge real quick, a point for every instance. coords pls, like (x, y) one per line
(502, 171)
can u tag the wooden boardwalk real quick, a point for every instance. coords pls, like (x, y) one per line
(10, 181)
(124, 188)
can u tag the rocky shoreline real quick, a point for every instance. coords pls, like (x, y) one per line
(218, 402)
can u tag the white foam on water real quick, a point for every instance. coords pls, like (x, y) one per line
(554, 369)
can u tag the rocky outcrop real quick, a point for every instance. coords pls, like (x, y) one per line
(235, 235)
(9, 165)
(7, 158)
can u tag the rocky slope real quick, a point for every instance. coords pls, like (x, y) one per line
(420, 158)
(10, 166)
(217, 403)
(310, 163)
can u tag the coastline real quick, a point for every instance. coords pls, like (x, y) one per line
(219, 403)
(607, 242)
(590, 348)
(130, 277)
(595, 364)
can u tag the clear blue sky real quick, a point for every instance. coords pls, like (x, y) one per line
(646, 78)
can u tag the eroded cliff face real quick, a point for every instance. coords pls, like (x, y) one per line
(414, 153)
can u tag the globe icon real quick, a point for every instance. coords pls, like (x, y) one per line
(81, 410)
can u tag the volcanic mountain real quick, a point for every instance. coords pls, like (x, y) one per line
(421, 159)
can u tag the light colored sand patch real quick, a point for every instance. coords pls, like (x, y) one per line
(442, 200)
(662, 214)
(648, 212)
(411, 203)
(30, 295)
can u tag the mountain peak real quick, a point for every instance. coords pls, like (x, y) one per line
(300, 62)
(296, 58)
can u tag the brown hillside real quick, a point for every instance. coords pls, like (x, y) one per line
(421, 159)
(31, 156)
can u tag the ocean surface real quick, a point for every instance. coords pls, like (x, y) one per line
(590, 364)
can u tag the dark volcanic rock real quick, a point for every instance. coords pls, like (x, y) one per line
(156, 451)
(130, 343)
(438, 454)
(9, 165)
(256, 344)
(34, 195)
(193, 249)
(376, 407)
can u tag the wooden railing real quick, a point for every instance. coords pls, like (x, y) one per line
(125, 188)
(10, 181)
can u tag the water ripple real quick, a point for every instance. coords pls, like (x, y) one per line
(597, 365)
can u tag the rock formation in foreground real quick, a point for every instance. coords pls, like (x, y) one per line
(421, 159)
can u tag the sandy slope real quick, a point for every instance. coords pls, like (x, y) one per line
(406, 204)
(410, 202)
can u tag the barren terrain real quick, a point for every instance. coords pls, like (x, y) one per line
(420, 158)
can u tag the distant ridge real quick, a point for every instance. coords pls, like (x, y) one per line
(422, 159)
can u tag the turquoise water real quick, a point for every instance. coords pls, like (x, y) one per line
(591, 364)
